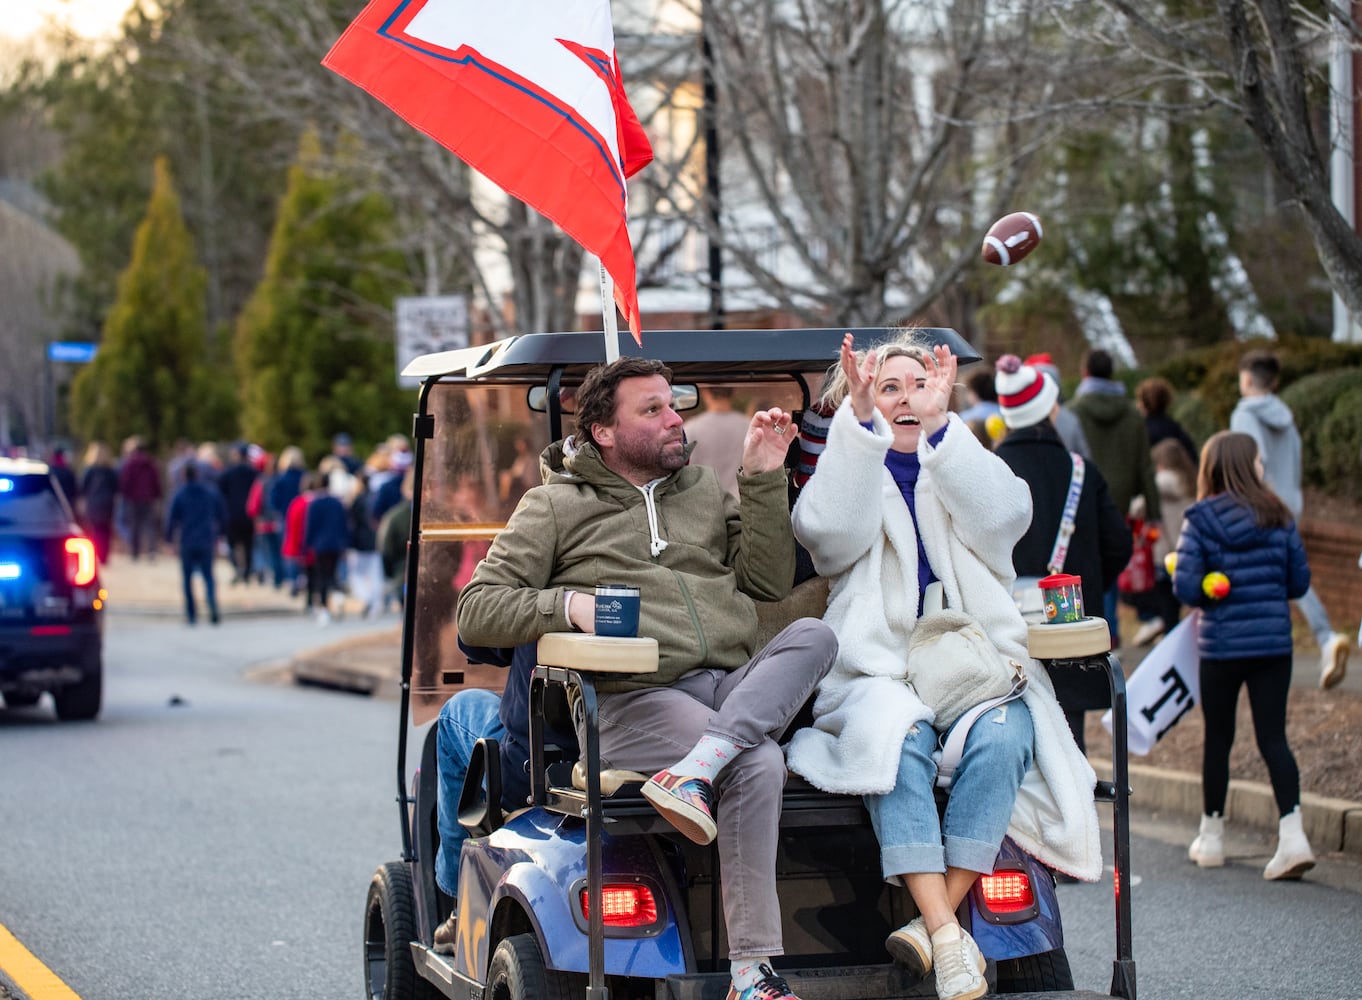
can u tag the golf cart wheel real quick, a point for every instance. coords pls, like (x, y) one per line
(389, 929)
(517, 973)
(1047, 972)
(80, 702)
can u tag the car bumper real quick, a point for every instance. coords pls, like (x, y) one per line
(49, 653)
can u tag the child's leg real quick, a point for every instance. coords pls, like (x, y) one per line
(1268, 684)
(1220, 682)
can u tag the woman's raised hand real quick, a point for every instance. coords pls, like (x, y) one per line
(860, 380)
(931, 401)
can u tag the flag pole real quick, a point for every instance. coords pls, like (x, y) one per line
(611, 334)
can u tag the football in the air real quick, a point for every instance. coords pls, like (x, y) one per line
(1012, 238)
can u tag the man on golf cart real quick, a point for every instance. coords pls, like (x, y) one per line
(622, 507)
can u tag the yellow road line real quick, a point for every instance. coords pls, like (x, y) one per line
(35, 980)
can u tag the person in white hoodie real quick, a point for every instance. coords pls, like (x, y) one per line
(1261, 414)
(904, 495)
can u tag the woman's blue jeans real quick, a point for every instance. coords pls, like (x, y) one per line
(465, 718)
(998, 753)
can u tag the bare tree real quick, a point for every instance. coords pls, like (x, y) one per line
(869, 143)
(1266, 60)
(33, 262)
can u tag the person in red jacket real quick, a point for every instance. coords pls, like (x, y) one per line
(139, 483)
(294, 547)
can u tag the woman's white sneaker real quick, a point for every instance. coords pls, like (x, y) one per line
(959, 966)
(911, 947)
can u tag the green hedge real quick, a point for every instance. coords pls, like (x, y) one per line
(1315, 400)
(1339, 443)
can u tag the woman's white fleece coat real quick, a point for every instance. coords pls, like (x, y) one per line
(971, 510)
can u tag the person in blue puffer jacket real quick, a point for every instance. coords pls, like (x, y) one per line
(1239, 528)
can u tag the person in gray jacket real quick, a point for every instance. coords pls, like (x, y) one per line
(1261, 414)
(620, 505)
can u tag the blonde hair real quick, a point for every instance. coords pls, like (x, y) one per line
(98, 454)
(909, 343)
(292, 458)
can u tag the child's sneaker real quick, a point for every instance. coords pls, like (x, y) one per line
(686, 803)
(769, 987)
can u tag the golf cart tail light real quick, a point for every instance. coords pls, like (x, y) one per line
(624, 906)
(80, 561)
(1007, 892)
(9, 571)
(48, 630)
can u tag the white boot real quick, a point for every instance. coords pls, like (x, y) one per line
(1294, 857)
(1208, 850)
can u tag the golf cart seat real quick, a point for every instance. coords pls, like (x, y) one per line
(1080, 640)
(605, 654)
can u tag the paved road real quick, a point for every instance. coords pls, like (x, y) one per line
(211, 836)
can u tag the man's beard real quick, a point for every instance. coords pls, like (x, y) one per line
(650, 458)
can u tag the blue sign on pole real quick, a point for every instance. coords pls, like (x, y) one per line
(72, 351)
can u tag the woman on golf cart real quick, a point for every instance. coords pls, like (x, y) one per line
(905, 496)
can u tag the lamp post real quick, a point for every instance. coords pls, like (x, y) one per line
(709, 111)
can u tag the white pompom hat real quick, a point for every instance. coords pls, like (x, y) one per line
(1025, 395)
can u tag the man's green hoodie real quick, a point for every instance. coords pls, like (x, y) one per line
(1119, 444)
(698, 557)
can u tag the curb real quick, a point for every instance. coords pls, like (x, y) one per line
(1331, 824)
(349, 665)
(164, 612)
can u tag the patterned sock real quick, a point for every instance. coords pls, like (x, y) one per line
(709, 757)
(746, 971)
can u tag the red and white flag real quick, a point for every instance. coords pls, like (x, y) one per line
(528, 93)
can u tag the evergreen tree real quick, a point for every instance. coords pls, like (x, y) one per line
(152, 375)
(314, 344)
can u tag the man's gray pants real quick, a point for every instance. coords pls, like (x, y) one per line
(651, 729)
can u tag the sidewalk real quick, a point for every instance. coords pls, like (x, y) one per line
(370, 664)
(153, 589)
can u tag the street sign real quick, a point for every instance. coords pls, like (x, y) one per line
(74, 352)
(426, 325)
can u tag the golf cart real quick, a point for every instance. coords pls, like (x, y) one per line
(584, 889)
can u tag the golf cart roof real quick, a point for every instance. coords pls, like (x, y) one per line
(689, 353)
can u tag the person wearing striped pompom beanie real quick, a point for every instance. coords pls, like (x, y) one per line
(1101, 543)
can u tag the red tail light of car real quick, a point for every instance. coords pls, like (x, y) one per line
(625, 905)
(1007, 891)
(80, 561)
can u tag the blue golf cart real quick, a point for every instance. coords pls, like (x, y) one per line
(582, 889)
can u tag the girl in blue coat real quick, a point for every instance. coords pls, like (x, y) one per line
(1240, 528)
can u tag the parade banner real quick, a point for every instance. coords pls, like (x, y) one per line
(1164, 687)
(528, 93)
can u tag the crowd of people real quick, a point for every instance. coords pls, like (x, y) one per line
(338, 527)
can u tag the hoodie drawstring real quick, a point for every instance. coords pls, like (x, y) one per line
(658, 543)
